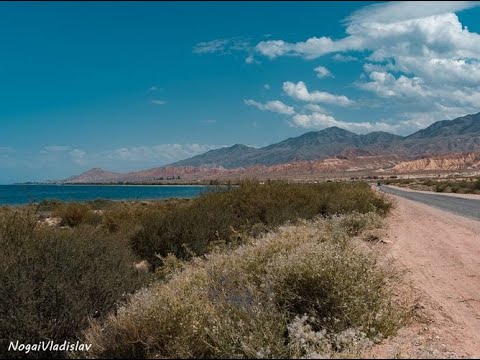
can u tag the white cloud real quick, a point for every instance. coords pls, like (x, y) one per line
(406, 10)
(158, 102)
(273, 106)
(213, 46)
(322, 72)
(344, 58)
(421, 60)
(386, 85)
(315, 108)
(309, 49)
(320, 121)
(250, 59)
(300, 92)
(397, 26)
(226, 46)
(266, 86)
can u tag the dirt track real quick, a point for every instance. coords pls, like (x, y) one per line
(441, 252)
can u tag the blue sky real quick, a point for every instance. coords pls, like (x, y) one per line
(127, 86)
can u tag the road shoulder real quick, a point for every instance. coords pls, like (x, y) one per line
(440, 252)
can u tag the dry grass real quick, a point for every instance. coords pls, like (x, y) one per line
(302, 291)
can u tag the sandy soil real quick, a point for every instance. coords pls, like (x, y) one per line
(441, 253)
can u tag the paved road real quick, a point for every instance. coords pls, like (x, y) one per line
(465, 207)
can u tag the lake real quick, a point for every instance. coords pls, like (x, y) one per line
(25, 194)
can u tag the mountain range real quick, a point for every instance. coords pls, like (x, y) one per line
(459, 135)
(316, 151)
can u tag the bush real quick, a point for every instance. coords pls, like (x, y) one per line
(53, 280)
(74, 214)
(48, 205)
(300, 292)
(337, 286)
(251, 207)
(476, 185)
(440, 187)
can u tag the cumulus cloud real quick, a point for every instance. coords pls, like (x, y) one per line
(386, 85)
(406, 10)
(411, 25)
(315, 108)
(322, 72)
(417, 53)
(273, 106)
(299, 91)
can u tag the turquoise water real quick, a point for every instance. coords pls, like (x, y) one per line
(25, 194)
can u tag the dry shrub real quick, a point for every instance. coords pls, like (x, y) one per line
(75, 214)
(251, 208)
(52, 280)
(302, 291)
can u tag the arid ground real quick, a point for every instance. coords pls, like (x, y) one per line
(440, 252)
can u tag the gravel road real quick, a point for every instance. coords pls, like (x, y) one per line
(458, 205)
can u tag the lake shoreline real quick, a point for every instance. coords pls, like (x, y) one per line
(12, 195)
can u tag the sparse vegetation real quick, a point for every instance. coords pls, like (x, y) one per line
(299, 290)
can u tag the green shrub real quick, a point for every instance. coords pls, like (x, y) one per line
(440, 187)
(300, 292)
(476, 185)
(53, 280)
(251, 207)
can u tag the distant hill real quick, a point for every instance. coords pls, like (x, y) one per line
(314, 145)
(315, 150)
(93, 175)
(463, 126)
(442, 137)
(452, 162)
